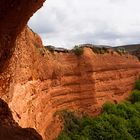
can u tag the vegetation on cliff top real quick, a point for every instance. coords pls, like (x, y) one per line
(78, 50)
(117, 122)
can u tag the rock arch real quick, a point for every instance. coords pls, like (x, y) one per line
(14, 15)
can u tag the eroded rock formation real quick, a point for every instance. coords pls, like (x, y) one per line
(10, 130)
(14, 15)
(40, 82)
(36, 83)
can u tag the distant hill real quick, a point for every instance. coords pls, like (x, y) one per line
(133, 49)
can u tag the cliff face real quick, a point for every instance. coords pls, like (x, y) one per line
(37, 83)
(10, 130)
(14, 15)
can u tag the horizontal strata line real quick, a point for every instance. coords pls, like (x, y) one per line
(123, 74)
(113, 92)
(97, 76)
(121, 70)
(70, 92)
(102, 96)
(104, 70)
(114, 83)
(107, 78)
(80, 84)
(72, 96)
(118, 78)
(71, 84)
(78, 106)
(111, 89)
(114, 69)
(72, 74)
(126, 72)
(57, 103)
(75, 104)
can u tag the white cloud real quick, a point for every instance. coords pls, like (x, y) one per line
(64, 23)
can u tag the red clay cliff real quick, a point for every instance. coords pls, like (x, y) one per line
(14, 15)
(36, 83)
(40, 82)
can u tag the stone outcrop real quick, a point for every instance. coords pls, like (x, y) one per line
(36, 83)
(40, 83)
(14, 15)
(10, 130)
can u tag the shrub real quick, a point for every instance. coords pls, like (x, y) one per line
(135, 96)
(98, 50)
(137, 85)
(71, 122)
(134, 127)
(117, 122)
(103, 50)
(121, 51)
(127, 111)
(50, 48)
(78, 50)
(63, 136)
(110, 108)
(137, 106)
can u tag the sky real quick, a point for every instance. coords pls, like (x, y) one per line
(66, 23)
